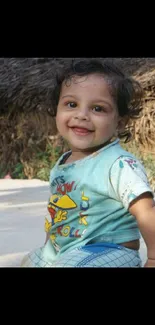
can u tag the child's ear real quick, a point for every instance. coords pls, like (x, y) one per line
(123, 121)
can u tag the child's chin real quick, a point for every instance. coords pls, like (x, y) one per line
(81, 147)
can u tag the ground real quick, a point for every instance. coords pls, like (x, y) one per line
(23, 206)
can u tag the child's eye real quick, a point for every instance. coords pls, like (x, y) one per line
(98, 109)
(71, 104)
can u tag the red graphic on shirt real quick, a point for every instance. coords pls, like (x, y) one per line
(65, 188)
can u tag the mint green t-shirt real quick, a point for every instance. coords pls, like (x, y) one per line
(90, 199)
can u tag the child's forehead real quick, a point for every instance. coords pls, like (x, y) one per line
(96, 80)
(91, 87)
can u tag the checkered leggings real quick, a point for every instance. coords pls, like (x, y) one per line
(95, 255)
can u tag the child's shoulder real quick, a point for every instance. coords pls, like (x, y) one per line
(116, 151)
(118, 157)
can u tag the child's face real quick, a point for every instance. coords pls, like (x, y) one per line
(87, 116)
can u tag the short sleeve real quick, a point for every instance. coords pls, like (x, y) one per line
(128, 180)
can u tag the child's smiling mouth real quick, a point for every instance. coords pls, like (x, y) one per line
(81, 130)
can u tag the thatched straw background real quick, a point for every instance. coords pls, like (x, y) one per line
(143, 129)
(26, 83)
(25, 101)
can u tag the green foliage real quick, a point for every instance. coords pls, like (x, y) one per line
(2, 172)
(45, 161)
(18, 171)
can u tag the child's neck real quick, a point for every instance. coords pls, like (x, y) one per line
(77, 155)
(80, 154)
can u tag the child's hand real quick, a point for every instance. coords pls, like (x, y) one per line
(150, 263)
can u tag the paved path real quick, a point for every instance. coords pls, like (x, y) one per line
(22, 211)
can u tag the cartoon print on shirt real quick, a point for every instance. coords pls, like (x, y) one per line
(131, 163)
(62, 186)
(58, 207)
(84, 205)
(47, 225)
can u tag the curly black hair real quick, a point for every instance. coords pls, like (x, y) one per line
(126, 91)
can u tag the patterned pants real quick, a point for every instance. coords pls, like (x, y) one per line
(94, 255)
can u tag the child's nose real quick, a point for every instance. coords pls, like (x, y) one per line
(82, 114)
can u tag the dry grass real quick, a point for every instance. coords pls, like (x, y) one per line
(143, 129)
(23, 135)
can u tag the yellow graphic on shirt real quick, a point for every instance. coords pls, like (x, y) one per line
(84, 205)
(62, 202)
(83, 197)
(60, 215)
(82, 220)
(58, 207)
(52, 237)
(48, 225)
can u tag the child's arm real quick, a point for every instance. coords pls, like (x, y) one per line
(143, 208)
